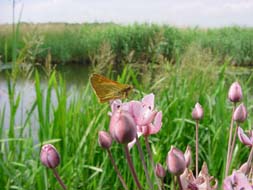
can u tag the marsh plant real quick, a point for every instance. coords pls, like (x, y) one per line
(130, 121)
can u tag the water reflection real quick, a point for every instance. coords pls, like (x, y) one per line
(76, 76)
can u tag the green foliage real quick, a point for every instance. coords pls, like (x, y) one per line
(80, 43)
(71, 122)
(180, 66)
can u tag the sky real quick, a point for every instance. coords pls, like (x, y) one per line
(183, 13)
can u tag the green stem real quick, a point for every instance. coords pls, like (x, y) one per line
(59, 179)
(144, 163)
(249, 161)
(232, 147)
(197, 148)
(131, 167)
(117, 170)
(179, 182)
(229, 141)
(151, 160)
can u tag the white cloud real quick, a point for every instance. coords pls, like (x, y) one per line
(182, 12)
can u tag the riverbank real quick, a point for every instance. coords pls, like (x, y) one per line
(138, 43)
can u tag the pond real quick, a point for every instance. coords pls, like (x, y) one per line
(75, 75)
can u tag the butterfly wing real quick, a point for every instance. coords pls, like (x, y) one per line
(107, 89)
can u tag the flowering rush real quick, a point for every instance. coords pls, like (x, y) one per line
(146, 118)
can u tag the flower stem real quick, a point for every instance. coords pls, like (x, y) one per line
(59, 178)
(250, 159)
(144, 163)
(152, 161)
(162, 188)
(229, 141)
(232, 147)
(197, 148)
(179, 183)
(117, 170)
(131, 167)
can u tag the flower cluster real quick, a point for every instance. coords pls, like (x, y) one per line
(131, 120)
(140, 115)
(239, 179)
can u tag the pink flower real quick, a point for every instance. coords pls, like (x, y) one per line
(147, 120)
(240, 114)
(175, 161)
(197, 112)
(246, 139)
(203, 181)
(188, 156)
(160, 171)
(122, 127)
(49, 156)
(235, 92)
(244, 168)
(237, 181)
(104, 139)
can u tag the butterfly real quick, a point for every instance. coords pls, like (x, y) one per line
(107, 89)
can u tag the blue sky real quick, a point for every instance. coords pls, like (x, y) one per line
(203, 13)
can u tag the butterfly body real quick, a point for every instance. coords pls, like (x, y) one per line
(107, 89)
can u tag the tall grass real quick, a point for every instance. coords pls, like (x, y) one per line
(80, 43)
(71, 120)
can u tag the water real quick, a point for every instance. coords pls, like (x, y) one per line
(75, 75)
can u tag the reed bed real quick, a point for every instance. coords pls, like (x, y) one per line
(81, 42)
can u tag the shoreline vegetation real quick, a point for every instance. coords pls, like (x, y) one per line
(138, 43)
(180, 66)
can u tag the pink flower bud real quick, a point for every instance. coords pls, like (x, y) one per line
(49, 156)
(104, 139)
(175, 161)
(240, 114)
(245, 139)
(197, 112)
(188, 156)
(122, 127)
(235, 92)
(160, 171)
(244, 168)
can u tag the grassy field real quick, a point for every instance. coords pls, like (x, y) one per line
(172, 64)
(72, 125)
(82, 42)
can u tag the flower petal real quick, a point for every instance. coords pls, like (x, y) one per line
(131, 144)
(149, 101)
(155, 128)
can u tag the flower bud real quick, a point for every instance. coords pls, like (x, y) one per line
(188, 156)
(245, 139)
(175, 161)
(235, 92)
(49, 156)
(244, 168)
(197, 112)
(122, 127)
(104, 139)
(160, 171)
(240, 114)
